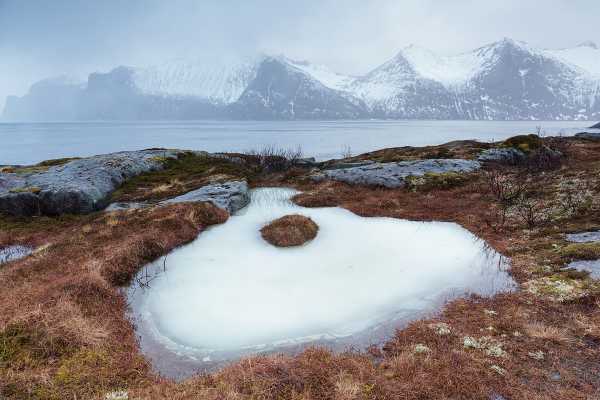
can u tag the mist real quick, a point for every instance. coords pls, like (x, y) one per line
(41, 39)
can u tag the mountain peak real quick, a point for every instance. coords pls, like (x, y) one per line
(509, 42)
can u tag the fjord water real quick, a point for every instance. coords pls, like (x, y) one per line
(28, 143)
(230, 293)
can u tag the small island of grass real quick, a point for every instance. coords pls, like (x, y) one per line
(290, 230)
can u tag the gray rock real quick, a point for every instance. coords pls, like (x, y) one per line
(588, 135)
(584, 237)
(503, 155)
(13, 253)
(393, 175)
(78, 187)
(231, 196)
(597, 126)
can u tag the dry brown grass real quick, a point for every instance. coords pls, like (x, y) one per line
(290, 230)
(62, 327)
(63, 333)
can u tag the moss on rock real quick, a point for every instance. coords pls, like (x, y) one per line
(433, 180)
(525, 143)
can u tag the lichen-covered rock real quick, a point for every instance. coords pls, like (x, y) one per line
(394, 175)
(76, 187)
(507, 155)
(231, 196)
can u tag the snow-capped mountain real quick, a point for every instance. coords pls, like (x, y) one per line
(503, 80)
(221, 81)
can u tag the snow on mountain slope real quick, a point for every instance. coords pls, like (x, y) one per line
(450, 71)
(585, 56)
(220, 82)
(327, 77)
(385, 81)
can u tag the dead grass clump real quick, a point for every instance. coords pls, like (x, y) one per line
(313, 200)
(290, 230)
(540, 330)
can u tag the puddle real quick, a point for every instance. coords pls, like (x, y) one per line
(584, 237)
(229, 293)
(13, 253)
(593, 267)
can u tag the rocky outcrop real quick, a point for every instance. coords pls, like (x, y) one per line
(77, 187)
(231, 196)
(502, 155)
(597, 126)
(589, 135)
(394, 175)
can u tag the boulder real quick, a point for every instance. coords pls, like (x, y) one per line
(393, 175)
(231, 196)
(502, 155)
(76, 187)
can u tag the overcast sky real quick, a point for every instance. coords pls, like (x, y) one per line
(41, 38)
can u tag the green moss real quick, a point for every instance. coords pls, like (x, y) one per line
(28, 189)
(433, 180)
(580, 251)
(185, 173)
(525, 143)
(27, 346)
(37, 168)
(57, 161)
(159, 159)
(82, 368)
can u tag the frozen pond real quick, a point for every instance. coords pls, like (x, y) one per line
(230, 293)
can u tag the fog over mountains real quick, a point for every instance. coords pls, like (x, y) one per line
(506, 80)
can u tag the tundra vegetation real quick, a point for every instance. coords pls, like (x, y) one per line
(64, 333)
(290, 230)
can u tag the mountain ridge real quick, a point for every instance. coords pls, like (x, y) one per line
(503, 80)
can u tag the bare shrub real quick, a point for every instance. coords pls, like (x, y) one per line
(505, 190)
(532, 211)
(574, 196)
(271, 158)
(515, 196)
